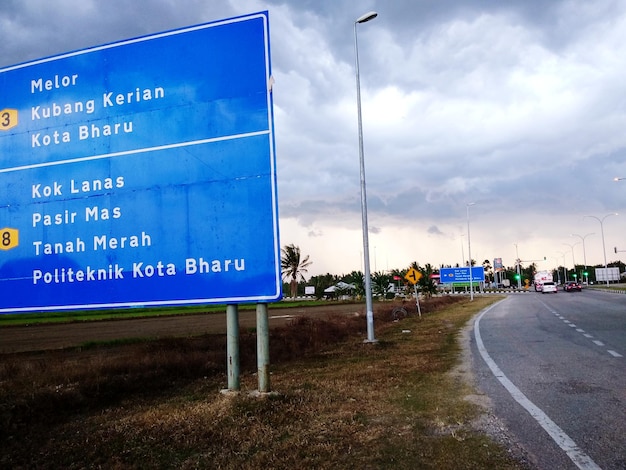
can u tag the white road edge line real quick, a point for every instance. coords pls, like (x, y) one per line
(576, 455)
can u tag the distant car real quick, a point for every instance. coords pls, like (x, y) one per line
(572, 286)
(549, 286)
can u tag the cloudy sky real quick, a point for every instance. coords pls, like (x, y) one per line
(517, 106)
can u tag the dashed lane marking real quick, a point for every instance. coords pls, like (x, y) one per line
(580, 330)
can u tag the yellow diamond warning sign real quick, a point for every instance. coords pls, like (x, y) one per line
(413, 275)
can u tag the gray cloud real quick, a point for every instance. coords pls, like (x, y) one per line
(518, 106)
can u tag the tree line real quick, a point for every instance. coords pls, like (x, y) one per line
(294, 267)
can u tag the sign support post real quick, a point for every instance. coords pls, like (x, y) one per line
(263, 348)
(417, 301)
(232, 346)
(413, 276)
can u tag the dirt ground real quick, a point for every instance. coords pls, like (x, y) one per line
(58, 336)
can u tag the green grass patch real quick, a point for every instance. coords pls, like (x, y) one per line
(338, 402)
(611, 287)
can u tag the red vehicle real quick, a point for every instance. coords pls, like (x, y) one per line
(572, 286)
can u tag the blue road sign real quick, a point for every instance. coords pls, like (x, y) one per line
(141, 173)
(449, 275)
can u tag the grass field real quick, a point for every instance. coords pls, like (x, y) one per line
(336, 401)
(121, 314)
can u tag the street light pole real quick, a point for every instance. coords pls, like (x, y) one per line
(573, 260)
(517, 265)
(564, 268)
(582, 237)
(366, 253)
(603, 247)
(462, 252)
(469, 250)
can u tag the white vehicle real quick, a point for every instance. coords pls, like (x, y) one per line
(548, 287)
(540, 278)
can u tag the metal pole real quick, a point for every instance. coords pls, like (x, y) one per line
(584, 253)
(585, 273)
(417, 301)
(366, 253)
(462, 252)
(517, 266)
(606, 269)
(562, 253)
(469, 252)
(263, 348)
(573, 259)
(603, 246)
(232, 347)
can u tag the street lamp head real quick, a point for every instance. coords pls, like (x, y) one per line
(369, 16)
(598, 218)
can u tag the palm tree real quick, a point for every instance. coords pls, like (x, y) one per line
(426, 282)
(358, 280)
(380, 283)
(488, 269)
(293, 267)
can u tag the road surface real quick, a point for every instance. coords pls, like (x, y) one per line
(554, 366)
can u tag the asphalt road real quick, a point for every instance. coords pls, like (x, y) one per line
(554, 366)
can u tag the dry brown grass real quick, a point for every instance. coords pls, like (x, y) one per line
(338, 403)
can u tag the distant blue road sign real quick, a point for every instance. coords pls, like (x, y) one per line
(450, 275)
(141, 173)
